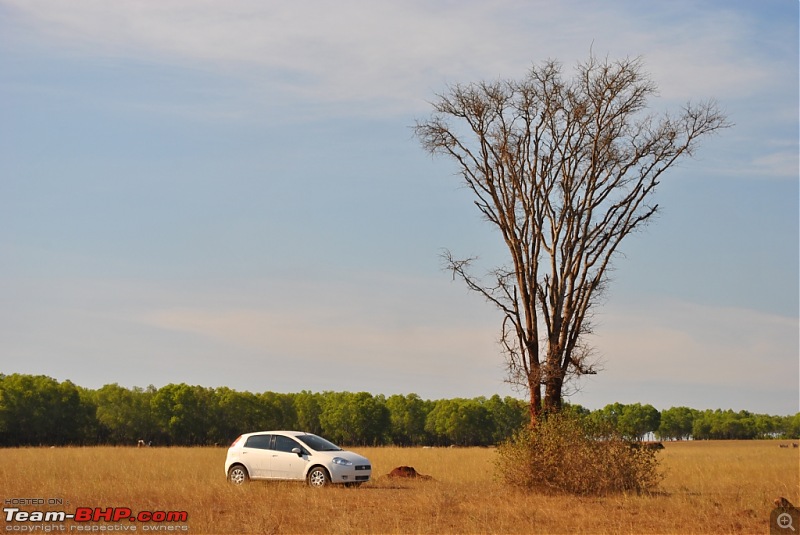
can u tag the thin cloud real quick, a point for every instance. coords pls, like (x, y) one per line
(320, 335)
(783, 164)
(368, 318)
(391, 56)
(688, 343)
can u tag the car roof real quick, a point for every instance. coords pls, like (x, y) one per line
(287, 433)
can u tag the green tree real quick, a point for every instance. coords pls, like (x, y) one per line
(676, 423)
(701, 426)
(308, 408)
(637, 420)
(38, 410)
(508, 416)
(766, 426)
(791, 426)
(236, 413)
(724, 425)
(462, 422)
(183, 413)
(125, 413)
(277, 411)
(359, 418)
(606, 420)
(407, 416)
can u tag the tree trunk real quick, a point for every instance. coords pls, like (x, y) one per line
(536, 404)
(552, 395)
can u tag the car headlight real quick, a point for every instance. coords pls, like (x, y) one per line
(343, 462)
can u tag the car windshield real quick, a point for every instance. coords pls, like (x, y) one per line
(317, 443)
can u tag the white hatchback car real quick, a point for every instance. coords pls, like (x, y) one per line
(293, 455)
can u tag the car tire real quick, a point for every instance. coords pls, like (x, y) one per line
(237, 474)
(318, 477)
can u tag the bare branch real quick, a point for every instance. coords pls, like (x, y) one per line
(565, 169)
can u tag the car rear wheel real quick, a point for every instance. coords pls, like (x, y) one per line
(237, 474)
(318, 477)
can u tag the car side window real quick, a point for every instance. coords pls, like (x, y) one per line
(286, 444)
(261, 442)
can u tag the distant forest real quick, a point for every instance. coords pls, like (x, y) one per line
(36, 410)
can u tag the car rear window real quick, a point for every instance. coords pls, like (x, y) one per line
(258, 441)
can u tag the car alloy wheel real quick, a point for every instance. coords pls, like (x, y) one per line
(318, 477)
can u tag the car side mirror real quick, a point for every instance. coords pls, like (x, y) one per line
(298, 451)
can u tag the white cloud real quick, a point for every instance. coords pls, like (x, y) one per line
(325, 51)
(379, 332)
(370, 318)
(390, 55)
(784, 164)
(691, 344)
(705, 56)
(328, 336)
(384, 335)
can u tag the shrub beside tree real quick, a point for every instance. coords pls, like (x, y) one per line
(542, 458)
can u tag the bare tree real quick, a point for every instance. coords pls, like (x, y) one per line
(565, 169)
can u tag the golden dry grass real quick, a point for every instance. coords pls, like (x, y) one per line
(710, 487)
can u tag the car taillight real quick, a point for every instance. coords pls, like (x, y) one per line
(235, 441)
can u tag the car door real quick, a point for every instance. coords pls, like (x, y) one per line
(286, 464)
(257, 455)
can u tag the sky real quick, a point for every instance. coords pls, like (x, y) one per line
(230, 194)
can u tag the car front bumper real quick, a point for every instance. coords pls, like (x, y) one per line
(350, 474)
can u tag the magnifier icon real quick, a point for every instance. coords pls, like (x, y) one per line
(785, 521)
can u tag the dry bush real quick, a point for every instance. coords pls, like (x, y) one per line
(565, 454)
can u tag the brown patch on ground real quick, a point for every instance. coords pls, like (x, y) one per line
(406, 472)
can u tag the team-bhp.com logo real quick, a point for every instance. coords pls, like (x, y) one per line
(93, 519)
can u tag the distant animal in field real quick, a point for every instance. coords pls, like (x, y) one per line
(794, 444)
(647, 445)
(783, 445)
(141, 444)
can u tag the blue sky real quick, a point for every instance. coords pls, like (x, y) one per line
(229, 194)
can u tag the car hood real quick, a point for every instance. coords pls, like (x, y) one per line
(354, 458)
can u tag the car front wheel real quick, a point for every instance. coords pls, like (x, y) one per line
(318, 477)
(237, 474)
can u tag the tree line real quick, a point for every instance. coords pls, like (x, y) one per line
(39, 410)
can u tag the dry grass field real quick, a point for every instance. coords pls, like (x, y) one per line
(709, 487)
